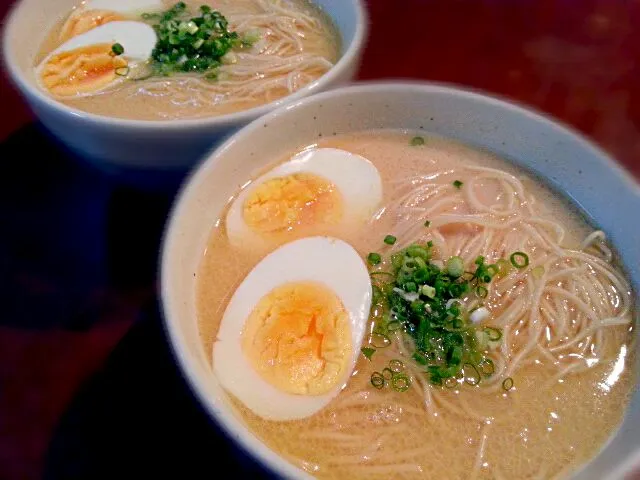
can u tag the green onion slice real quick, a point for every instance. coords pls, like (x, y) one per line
(368, 352)
(396, 365)
(471, 374)
(458, 184)
(122, 71)
(377, 380)
(481, 291)
(374, 258)
(493, 333)
(400, 382)
(415, 141)
(387, 373)
(117, 49)
(390, 239)
(507, 384)
(519, 259)
(487, 367)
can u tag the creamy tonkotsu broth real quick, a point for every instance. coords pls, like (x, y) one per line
(566, 328)
(276, 47)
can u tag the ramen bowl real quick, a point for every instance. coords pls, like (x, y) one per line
(564, 160)
(144, 144)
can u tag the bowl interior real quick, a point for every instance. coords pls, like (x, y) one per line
(568, 162)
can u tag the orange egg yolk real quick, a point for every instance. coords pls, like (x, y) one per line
(298, 200)
(85, 21)
(82, 70)
(298, 338)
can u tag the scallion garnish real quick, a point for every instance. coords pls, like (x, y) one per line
(122, 71)
(519, 259)
(368, 352)
(427, 223)
(189, 43)
(377, 380)
(507, 384)
(389, 239)
(374, 258)
(471, 374)
(415, 141)
(493, 333)
(425, 300)
(117, 49)
(400, 382)
(458, 184)
(396, 365)
(482, 291)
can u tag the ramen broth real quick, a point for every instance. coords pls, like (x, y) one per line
(293, 43)
(545, 427)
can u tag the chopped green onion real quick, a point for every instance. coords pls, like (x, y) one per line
(507, 384)
(117, 49)
(400, 382)
(419, 358)
(458, 184)
(122, 71)
(415, 141)
(487, 367)
(503, 267)
(374, 258)
(481, 291)
(428, 291)
(427, 223)
(493, 333)
(368, 352)
(519, 259)
(389, 239)
(471, 374)
(455, 267)
(396, 365)
(377, 380)
(538, 272)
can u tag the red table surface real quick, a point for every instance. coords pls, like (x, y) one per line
(574, 59)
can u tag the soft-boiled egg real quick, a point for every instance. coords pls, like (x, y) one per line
(93, 13)
(316, 188)
(85, 64)
(291, 334)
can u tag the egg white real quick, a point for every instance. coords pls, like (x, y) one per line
(329, 261)
(138, 40)
(355, 178)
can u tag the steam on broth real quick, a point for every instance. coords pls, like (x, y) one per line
(206, 57)
(562, 367)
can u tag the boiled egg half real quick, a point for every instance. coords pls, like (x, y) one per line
(291, 334)
(86, 64)
(93, 13)
(317, 188)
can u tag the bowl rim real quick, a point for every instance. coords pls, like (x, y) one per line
(232, 427)
(349, 56)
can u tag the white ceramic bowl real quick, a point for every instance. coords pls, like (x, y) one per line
(567, 161)
(174, 144)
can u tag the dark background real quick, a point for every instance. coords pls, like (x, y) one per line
(88, 388)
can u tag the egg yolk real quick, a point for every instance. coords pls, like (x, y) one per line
(85, 21)
(283, 203)
(298, 338)
(84, 69)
